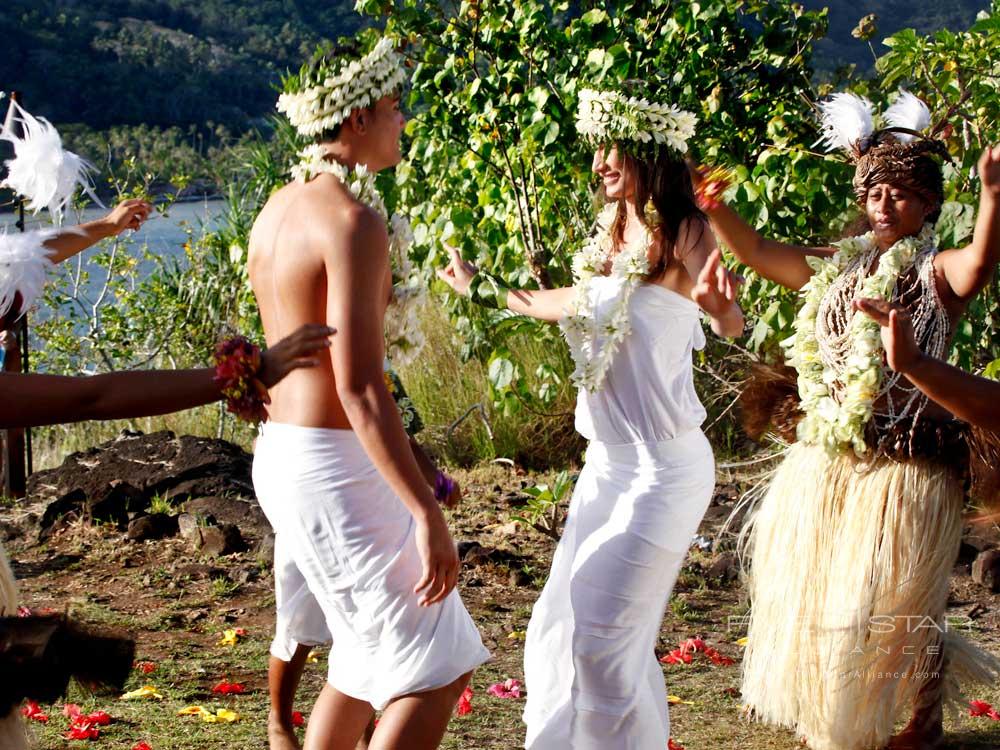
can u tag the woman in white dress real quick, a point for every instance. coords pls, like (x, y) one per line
(632, 320)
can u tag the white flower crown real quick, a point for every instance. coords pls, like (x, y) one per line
(608, 116)
(324, 99)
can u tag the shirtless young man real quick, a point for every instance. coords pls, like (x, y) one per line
(333, 468)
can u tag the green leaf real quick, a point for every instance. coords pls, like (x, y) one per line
(501, 373)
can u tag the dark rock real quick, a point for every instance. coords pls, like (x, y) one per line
(199, 572)
(264, 551)
(221, 540)
(519, 578)
(187, 526)
(986, 570)
(724, 568)
(122, 476)
(248, 516)
(156, 526)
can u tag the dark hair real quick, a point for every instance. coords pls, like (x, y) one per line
(663, 178)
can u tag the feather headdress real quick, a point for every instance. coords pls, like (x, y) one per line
(42, 171)
(908, 112)
(24, 262)
(847, 122)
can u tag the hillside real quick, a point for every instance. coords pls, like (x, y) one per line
(215, 62)
(160, 62)
(840, 48)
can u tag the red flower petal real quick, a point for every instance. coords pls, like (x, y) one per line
(145, 666)
(141, 746)
(229, 688)
(32, 711)
(71, 710)
(297, 720)
(464, 703)
(671, 745)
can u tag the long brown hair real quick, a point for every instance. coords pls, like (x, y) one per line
(664, 179)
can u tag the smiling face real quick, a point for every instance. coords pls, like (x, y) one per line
(618, 180)
(894, 212)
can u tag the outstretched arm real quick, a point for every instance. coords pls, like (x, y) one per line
(973, 399)
(35, 400)
(128, 214)
(968, 270)
(780, 262)
(358, 356)
(544, 304)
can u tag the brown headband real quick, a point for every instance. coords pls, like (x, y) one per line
(884, 159)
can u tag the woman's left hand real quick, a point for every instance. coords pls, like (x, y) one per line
(129, 214)
(716, 289)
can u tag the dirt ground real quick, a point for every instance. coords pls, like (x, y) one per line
(177, 605)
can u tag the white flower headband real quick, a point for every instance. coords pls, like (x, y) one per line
(608, 116)
(322, 99)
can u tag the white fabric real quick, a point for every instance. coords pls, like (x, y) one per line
(593, 679)
(648, 395)
(299, 619)
(352, 541)
(592, 676)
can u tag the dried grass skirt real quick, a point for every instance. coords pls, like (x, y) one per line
(848, 584)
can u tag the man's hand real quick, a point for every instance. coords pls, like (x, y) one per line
(717, 286)
(901, 350)
(299, 349)
(129, 214)
(458, 275)
(439, 558)
(989, 170)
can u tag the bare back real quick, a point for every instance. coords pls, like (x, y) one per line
(295, 242)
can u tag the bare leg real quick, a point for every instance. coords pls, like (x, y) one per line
(282, 682)
(418, 721)
(283, 679)
(925, 730)
(338, 721)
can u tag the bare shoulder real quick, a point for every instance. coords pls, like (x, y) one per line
(693, 234)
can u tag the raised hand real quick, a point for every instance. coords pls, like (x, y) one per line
(299, 349)
(439, 560)
(129, 214)
(901, 350)
(458, 275)
(989, 170)
(716, 288)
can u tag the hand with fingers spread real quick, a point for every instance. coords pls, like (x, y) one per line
(898, 339)
(438, 557)
(129, 214)
(716, 289)
(459, 273)
(299, 349)
(988, 169)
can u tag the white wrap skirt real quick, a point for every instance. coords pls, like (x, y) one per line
(344, 533)
(593, 679)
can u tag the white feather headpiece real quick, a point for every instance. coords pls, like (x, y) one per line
(24, 262)
(908, 112)
(42, 171)
(847, 122)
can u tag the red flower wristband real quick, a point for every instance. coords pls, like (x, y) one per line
(714, 182)
(237, 362)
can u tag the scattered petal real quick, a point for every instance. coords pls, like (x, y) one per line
(229, 688)
(82, 730)
(509, 688)
(32, 711)
(72, 710)
(146, 692)
(232, 637)
(141, 746)
(671, 745)
(676, 699)
(297, 719)
(145, 666)
(313, 657)
(742, 642)
(517, 635)
(222, 716)
(464, 703)
(982, 708)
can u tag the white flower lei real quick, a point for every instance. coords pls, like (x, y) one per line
(318, 105)
(404, 337)
(604, 116)
(581, 328)
(840, 425)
